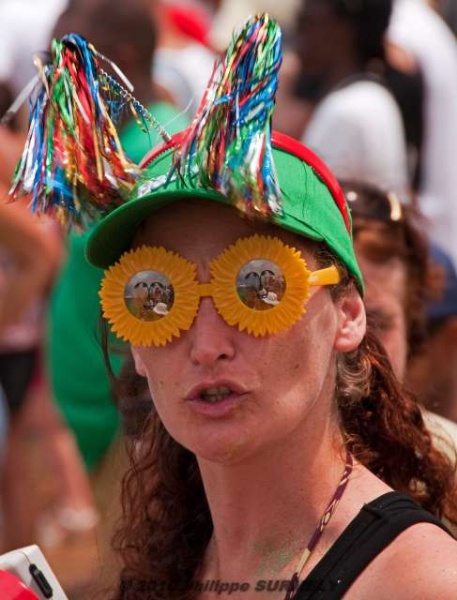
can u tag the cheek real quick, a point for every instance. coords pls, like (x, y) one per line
(165, 392)
(157, 367)
(301, 360)
(286, 363)
(397, 348)
(393, 341)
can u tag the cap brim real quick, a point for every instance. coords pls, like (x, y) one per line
(114, 235)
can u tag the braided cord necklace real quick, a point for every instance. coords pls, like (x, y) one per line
(317, 534)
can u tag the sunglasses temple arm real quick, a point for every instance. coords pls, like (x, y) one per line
(327, 276)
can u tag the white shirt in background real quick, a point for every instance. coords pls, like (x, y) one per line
(358, 132)
(420, 30)
(25, 29)
(185, 73)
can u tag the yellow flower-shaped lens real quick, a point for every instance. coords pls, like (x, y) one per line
(259, 285)
(262, 285)
(149, 296)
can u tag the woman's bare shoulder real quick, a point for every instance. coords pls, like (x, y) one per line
(421, 563)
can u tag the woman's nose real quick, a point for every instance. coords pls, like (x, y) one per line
(212, 339)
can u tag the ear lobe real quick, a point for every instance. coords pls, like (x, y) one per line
(352, 322)
(139, 364)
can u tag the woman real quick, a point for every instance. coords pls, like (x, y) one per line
(273, 424)
(248, 435)
(260, 407)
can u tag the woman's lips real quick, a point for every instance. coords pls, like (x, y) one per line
(215, 399)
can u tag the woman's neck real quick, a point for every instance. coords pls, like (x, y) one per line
(265, 510)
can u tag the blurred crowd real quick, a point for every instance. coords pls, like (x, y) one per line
(371, 86)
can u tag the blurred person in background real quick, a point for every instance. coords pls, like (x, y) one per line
(346, 80)
(420, 31)
(432, 373)
(34, 258)
(392, 250)
(21, 245)
(184, 56)
(36, 427)
(24, 27)
(31, 254)
(232, 13)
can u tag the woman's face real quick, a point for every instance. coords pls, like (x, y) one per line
(322, 37)
(225, 394)
(385, 299)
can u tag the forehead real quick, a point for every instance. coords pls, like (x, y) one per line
(385, 282)
(201, 228)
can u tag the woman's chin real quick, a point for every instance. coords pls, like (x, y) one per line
(223, 448)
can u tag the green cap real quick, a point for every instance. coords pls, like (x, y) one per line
(312, 202)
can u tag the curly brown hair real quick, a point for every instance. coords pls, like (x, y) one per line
(166, 522)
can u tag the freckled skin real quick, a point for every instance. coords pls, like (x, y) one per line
(285, 376)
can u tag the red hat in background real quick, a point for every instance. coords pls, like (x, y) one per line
(190, 19)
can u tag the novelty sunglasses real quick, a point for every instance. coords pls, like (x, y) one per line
(259, 284)
(373, 203)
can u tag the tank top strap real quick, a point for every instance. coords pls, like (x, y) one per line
(367, 535)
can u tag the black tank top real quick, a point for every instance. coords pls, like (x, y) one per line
(373, 529)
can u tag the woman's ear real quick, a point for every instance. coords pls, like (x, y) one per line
(139, 364)
(352, 321)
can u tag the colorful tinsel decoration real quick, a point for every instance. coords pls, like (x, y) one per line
(228, 147)
(73, 163)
